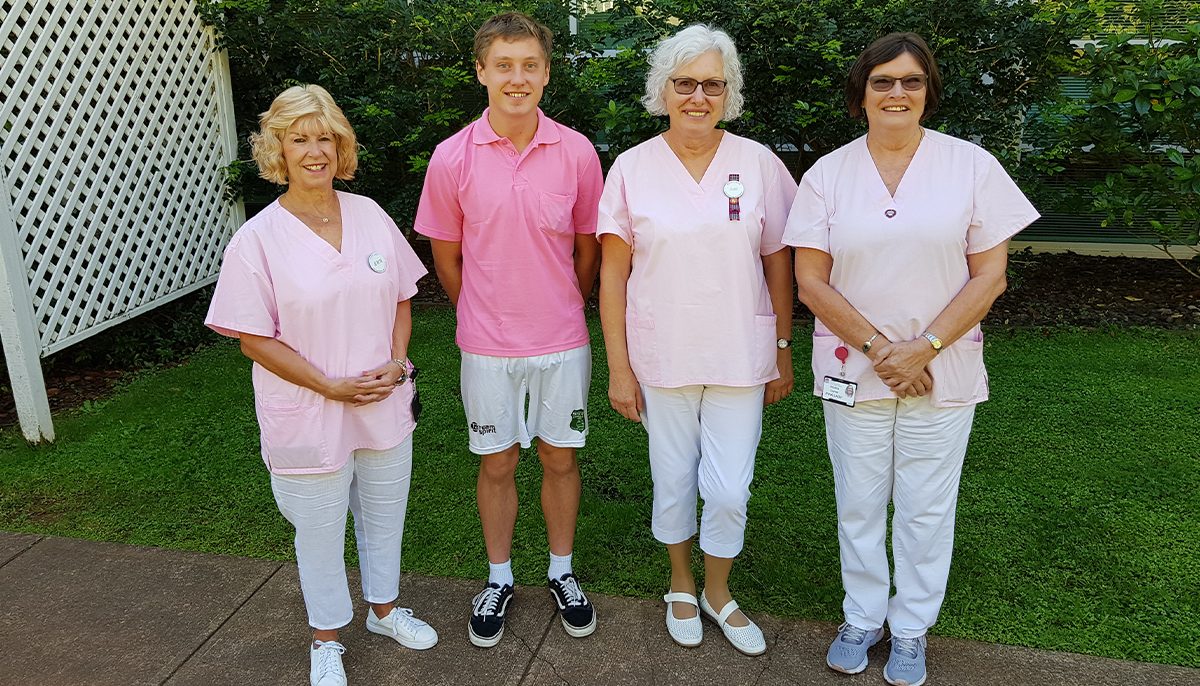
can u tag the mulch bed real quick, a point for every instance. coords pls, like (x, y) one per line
(1044, 291)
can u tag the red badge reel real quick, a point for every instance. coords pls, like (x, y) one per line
(839, 390)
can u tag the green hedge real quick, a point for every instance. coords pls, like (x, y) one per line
(404, 73)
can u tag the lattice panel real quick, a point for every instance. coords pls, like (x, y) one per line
(116, 129)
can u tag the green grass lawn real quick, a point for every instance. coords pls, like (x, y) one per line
(1078, 523)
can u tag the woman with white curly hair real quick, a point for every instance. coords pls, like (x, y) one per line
(696, 305)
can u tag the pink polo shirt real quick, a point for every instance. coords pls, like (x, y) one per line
(697, 309)
(901, 271)
(280, 279)
(516, 215)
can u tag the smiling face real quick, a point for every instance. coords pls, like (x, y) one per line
(310, 154)
(697, 112)
(897, 109)
(515, 73)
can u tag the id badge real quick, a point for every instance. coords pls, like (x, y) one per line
(839, 391)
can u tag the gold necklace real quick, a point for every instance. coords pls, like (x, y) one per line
(317, 215)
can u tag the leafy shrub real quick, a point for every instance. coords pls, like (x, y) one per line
(404, 72)
(1139, 125)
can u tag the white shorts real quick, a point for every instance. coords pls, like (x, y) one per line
(511, 400)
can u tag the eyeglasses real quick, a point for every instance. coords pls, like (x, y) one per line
(687, 86)
(912, 82)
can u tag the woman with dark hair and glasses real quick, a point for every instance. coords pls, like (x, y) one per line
(695, 300)
(902, 243)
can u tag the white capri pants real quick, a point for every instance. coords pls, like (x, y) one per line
(909, 452)
(703, 438)
(374, 485)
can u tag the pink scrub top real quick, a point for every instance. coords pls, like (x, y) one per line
(516, 215)
(900, 260)
(697, 309)
(281, 280)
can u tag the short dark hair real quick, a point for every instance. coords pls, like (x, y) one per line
(885, 50)
(512, 26)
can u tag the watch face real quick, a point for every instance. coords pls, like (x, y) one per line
(734, 189)
(783, 344)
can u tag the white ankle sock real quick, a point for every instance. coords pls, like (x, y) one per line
(500, 573)
(559, 565)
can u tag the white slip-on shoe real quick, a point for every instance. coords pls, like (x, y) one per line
(686, 632)
(747, 639)
(325, 664)
(402, 626)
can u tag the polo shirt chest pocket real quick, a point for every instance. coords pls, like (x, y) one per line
(555, 212)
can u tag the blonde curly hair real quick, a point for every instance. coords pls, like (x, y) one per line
(313, 107)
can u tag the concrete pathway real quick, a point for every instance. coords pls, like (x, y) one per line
(79, 612)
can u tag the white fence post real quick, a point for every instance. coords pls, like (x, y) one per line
(116, 125)
(20, 336)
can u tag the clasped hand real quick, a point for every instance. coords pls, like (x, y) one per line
(904, 367)
(374, 385)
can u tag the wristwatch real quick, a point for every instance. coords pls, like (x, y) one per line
(783, 343)
(934, 341)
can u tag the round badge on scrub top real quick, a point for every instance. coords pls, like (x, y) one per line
(377, 262)
(734, 189)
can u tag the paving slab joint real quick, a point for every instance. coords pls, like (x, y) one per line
(220, 625)
(767, 659)
(22, 551)
(536, 654)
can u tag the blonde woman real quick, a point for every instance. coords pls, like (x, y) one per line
(316, 287)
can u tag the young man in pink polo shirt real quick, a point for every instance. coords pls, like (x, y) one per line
(510, 205)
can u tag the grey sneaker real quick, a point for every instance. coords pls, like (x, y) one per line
(848, 652)
(906, 664)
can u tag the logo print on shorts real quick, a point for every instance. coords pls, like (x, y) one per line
(482, 429)
(578, 420)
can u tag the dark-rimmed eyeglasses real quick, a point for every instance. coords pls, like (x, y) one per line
(686, 86)
(912, 82)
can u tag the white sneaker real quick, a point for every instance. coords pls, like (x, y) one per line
(401, 625)
(325, 664)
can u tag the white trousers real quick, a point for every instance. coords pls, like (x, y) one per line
(374, 486)
(703, 438)
(911, 453)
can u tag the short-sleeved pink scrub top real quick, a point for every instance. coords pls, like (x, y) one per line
(279, 279)
(516, 215)
(900, 260)
(698, 310)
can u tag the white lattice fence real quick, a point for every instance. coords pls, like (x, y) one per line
(117, 122)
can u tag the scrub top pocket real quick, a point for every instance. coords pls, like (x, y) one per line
(293, 437)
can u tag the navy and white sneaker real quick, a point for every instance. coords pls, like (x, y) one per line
(577, 614)
(487, 615)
